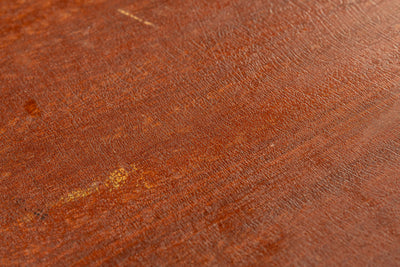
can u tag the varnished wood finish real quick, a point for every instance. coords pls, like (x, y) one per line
(177, 132)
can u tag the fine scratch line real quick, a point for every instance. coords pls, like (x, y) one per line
(136, 18)
(114, 181)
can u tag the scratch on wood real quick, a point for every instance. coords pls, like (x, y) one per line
(79, 193)
(136, 18)
(145, 184)
(141, 178)
(117, 178)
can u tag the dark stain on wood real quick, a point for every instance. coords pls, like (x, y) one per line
(32, 108)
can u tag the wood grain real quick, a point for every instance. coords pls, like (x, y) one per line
(187, 132)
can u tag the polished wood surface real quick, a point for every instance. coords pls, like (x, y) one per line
(223, 133)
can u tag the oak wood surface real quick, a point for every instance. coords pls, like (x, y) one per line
(188, 132)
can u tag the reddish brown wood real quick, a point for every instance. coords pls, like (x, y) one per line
(175, 132)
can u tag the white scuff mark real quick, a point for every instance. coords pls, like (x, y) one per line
(123, 12)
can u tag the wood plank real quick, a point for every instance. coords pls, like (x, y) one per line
(236, 132)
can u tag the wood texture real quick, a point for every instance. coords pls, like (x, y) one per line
(187, 132)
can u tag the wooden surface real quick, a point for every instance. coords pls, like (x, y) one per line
(177, 132)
